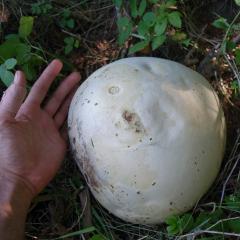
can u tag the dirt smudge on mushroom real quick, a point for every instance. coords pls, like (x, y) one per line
(133, 121)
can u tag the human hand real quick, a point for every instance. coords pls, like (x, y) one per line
(32, 146)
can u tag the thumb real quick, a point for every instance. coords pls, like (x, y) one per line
(13, 97)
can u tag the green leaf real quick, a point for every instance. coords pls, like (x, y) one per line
(234, 225)
(186, 222)
(186, 42)
(221, 23)
(172, 220)
(26, 26)
(118, 3)
(12, 38)
(133, 7)
(231, 45)
(138, 46)
(172, 230)
(98, 237)
(171, 3)
(70, 23)
(6, 76)
(23, 53)
(142, 7)
(69, 40)
(160, 27)
(10, 63)
(142, 28)
(149, 18)
(66, 13)
(174, 19)
(237, 2)
(158, 41)
(29, 71)
(76, 44)
(125, 27)
(237, 59)
(68, 49)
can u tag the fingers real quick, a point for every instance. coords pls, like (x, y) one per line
(13, 97)
(63, 90)
(40, 88)
(63, 111)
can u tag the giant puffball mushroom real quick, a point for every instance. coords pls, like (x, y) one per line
(148, 135)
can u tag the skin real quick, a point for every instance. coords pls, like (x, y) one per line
(32, 143)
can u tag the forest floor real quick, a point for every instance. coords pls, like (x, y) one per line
(83, 34)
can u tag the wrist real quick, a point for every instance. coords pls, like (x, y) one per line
(15, 199)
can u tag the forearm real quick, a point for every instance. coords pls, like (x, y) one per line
(15, 199)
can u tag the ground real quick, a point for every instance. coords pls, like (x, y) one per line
(66, 206)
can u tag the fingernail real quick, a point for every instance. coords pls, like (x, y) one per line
(17, 77)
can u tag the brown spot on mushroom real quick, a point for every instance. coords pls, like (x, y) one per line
(134, 121)
(128, 116)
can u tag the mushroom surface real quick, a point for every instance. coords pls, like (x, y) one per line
(148, 135)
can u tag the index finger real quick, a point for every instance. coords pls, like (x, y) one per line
(40, 88)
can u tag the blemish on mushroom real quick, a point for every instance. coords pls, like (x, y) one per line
(138, 192)
(95, 104)
(92, 143)
(88, 101)
(134, 121)
(154, 183)
(171, 203)
(116, 134)
(150, 139)
(114, 90)
(74, 140)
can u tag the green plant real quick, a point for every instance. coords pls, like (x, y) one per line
(17, 51)
(70, 44)
(66, 21)
(151, 22)
(179, 225)
(5, 74)
(41, 7)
